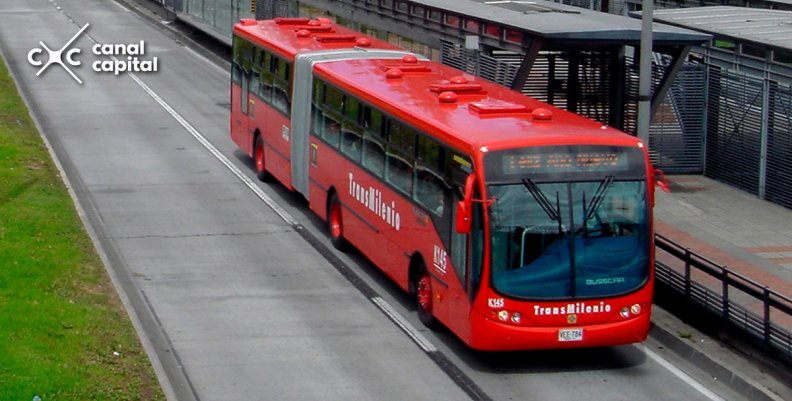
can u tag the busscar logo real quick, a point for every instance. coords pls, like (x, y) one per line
(109, 60)
(56, 56)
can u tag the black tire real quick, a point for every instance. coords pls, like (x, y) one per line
(259, 163)
(335, 224)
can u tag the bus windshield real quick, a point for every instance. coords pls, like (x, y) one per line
(560, 232)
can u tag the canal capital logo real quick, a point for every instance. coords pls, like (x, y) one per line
(113, 58)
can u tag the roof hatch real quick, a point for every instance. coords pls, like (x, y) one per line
(335, 38)
(457, 84)
(409, 63)
(493, 106)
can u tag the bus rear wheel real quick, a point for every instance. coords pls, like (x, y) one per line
(423, 299)
(335, 224)
(258, 159)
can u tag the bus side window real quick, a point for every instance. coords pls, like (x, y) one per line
(236, 70)
(266, 79)
(316, 108)
(399, 170)
(333, 99)
(332, 107)
(429, 153)
(352, 110)
(255, 76)
(331, 131)
(374, 156)
(243, 58)
(430, 191)
(351, 143)
(372, 122)
(402, 137)
(281, 98)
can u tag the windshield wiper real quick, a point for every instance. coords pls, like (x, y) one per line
(599, 196)
(544, 203)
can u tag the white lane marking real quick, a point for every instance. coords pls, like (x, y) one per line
(406, 326)
(680, 374)
(211, 148)
(216, 153)
(122, 7)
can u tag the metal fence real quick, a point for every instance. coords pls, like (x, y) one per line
(778, 178)
(749, 141)
(676, 136)
(752, 308)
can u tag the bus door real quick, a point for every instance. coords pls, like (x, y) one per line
(243, 118)
(459, 298)
(240, 103)
(466, 251)
(464, 244)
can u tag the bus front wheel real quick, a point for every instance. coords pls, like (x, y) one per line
(423, 298)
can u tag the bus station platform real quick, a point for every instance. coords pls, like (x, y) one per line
(733, 228)
(750, 237)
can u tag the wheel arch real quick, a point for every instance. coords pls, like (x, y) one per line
(417, 264)
(256, 135)
(328, 196)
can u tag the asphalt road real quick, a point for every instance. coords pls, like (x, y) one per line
(231, 282)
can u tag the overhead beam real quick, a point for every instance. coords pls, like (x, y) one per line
(527, 64)
(678, 54)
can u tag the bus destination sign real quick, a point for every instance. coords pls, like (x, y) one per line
(560, 162)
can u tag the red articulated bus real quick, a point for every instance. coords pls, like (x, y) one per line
(515, 224)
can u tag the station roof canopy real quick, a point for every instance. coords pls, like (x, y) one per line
(767, 28)
(557, 24)
(526, 28)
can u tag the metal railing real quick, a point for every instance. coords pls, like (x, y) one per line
(755, 309)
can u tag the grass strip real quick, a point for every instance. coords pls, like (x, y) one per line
(64, 334)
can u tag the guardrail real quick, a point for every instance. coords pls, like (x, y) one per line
(746, 305)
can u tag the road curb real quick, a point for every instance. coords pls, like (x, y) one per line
(710, 355)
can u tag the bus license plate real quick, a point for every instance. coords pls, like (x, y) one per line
(570, 335)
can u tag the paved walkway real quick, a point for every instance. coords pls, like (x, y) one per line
(730, 227)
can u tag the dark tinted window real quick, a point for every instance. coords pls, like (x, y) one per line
(398, 171)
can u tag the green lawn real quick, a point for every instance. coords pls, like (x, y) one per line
(64, 334)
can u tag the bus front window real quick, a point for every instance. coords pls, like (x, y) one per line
(569, 236)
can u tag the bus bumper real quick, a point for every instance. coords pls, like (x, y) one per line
(488, 335)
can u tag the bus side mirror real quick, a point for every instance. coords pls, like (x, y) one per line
(661, 181)
(464, 208)
(463, 217)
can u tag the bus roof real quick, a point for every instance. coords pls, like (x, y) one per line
(462, 110)
(290, 36)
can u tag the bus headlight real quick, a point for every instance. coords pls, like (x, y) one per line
(634, 310)
(515, 318)
(506, 316)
